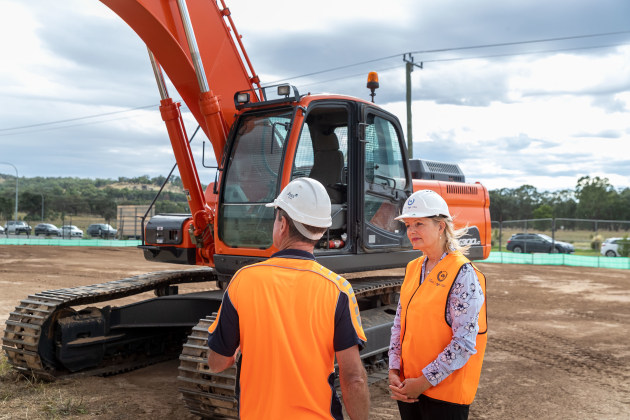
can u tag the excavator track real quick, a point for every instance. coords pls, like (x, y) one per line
(206, 394)
(213, 395)
(34, 317)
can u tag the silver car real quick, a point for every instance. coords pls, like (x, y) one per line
(610, 247)
(71, 231)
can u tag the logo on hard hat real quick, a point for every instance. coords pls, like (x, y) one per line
(291, 195)
(411, 201)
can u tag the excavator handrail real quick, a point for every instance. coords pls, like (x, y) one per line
(228, 15)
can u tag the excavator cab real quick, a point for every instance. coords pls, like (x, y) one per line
(354, 149)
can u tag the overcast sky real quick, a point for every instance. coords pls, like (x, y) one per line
(539, 113)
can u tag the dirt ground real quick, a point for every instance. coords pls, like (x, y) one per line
(558, 344)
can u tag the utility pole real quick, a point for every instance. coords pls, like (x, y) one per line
(42, 194)
(409, 65)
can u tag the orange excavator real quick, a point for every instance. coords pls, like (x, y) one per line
(262, 137)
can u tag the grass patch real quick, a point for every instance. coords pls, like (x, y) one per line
(14, 384)
(64, 406)
(5, 367)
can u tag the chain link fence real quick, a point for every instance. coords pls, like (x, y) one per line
(586, 236)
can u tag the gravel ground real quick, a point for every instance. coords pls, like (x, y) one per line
(558, 344)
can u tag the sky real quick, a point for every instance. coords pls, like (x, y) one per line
(545, 102)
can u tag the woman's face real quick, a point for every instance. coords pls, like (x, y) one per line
(423, 232)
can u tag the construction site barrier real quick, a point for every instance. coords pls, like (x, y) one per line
(69, 242)
(558, 259)
(495, 257)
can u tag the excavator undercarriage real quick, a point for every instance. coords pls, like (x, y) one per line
(54, 334)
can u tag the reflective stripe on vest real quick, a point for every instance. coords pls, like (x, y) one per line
(424, 306)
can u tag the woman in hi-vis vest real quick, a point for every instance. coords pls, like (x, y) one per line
(440, 330)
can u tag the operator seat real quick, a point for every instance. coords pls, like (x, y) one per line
(328, 169)
(328, 164)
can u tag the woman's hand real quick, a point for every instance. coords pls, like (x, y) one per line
(410, 389)
(394, 377)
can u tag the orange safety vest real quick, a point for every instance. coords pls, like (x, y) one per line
(286, 311)
(428, 333)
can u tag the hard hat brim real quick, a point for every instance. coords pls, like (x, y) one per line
(418, 215)
(325, 222)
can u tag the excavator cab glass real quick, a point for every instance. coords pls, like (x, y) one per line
(385, 184)
(251, 179)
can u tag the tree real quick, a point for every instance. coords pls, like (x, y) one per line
(544, 211)
(31, 203)
(563, 203)
(595, 198)
(502, 205)
(7, 207)
(526, 199)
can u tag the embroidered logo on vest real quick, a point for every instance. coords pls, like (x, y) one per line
(442, 275)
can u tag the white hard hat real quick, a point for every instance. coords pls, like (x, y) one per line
(424, 203)
(306, 202)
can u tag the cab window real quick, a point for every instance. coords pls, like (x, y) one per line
(251, 179)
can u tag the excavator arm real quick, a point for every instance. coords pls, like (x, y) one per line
(225, 64)
(197, 45)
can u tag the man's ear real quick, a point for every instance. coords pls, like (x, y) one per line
(284, 224)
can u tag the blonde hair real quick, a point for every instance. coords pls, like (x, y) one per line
(452, 235)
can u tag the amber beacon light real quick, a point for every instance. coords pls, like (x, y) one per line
(372, 83)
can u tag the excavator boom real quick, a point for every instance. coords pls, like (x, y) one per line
(161, 27)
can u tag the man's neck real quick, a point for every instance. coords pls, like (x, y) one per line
(293, 244)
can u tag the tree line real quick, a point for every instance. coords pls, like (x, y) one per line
(592, 198)
(66, 196)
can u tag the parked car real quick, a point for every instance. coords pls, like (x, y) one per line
(1, 230)
(17, 227)
(47, 229)
(610, 247)
(101, 230)
(71, 231)
(537, 242)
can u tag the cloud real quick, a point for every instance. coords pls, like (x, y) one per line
(537, 118)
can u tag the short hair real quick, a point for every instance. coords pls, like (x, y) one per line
(294, 233)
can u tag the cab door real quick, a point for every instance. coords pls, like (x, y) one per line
(386, 181)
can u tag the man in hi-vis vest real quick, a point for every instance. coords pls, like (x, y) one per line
(290, 316)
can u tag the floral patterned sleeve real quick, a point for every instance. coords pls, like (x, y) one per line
(464, 304)
(394, 342)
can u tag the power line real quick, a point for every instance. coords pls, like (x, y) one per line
(470, 47)
(505, 44)
(437, 60)
(28, 127)
(60, 127)
(77, 118)
(355, 75)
